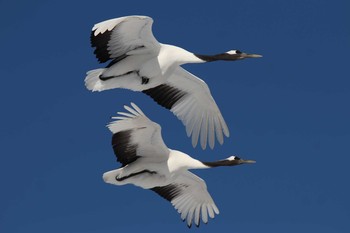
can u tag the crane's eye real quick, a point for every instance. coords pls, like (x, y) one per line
(237, 158)
(238, 52)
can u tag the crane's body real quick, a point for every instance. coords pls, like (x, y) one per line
(138, 62)
(155, 68)
(148, 163)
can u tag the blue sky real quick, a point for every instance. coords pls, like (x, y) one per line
(289, 111)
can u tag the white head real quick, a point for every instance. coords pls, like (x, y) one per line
(235, 53)
(231, 158)
(237, 160)
(231, 52)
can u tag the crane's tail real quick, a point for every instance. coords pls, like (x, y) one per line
(93, 81)
(109, 177)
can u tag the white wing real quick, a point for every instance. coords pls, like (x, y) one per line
(117, 38)
(189, 98)
(135, 136)
(189, 195)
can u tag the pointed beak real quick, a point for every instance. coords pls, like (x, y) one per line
(247, 161)
(247, 55)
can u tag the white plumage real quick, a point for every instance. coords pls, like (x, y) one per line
(148, 163)
(139, 62)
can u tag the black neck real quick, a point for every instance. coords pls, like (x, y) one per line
(221, 163)
(217, 57)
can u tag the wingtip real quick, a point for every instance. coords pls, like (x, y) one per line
(137, 108)
(212, 146)
(227, 133)
(131, 110)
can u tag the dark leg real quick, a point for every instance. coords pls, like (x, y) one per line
(134, 174)
(144, 80)
(116, 76)
(106, 78)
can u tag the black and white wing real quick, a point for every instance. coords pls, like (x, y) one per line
(189, 195)
(120, 37)
(135, 136)
(189, 98)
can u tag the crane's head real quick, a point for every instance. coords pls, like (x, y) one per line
(238, 55)
(235, 160)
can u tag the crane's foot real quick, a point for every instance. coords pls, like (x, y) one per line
(144, 80)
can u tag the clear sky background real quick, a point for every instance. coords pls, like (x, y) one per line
(289, 111)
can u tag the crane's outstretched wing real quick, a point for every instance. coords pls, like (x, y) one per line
(189, 195)
(135, 136)
(120, 37)
(189, 98)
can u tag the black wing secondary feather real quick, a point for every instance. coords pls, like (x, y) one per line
(170, 191)
(165, 95)
(100, 42)
(124, 150)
